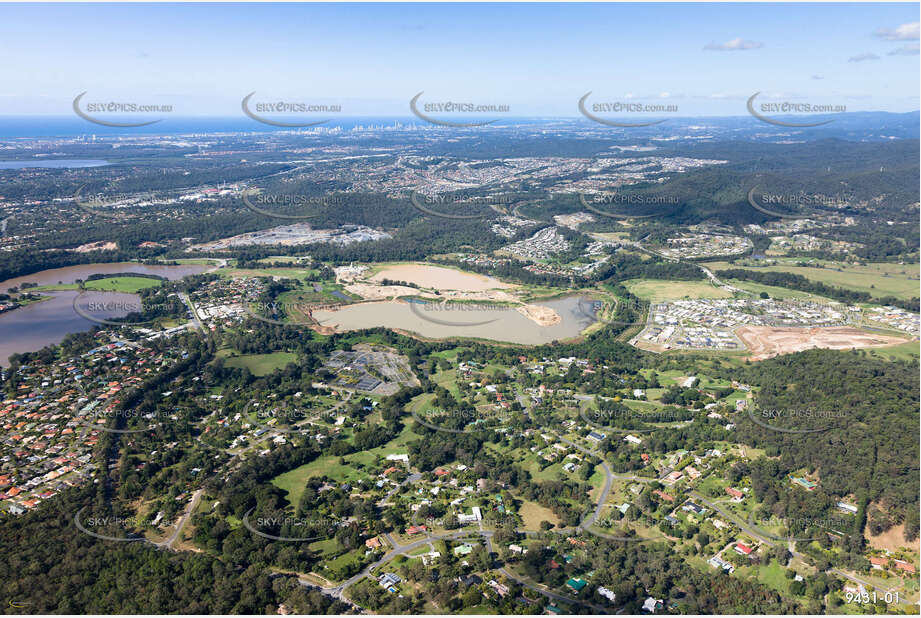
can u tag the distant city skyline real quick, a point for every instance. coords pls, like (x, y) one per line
(536, 59)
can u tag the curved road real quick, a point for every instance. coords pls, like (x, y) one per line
(402, 550)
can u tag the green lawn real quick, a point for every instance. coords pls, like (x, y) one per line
(476, 610)
(295, 480)
(326, 547)
(657, 290)
(451, 354)
(259, 364)
(772, 576)
(128, 285)
(904, 351)
(448, 380)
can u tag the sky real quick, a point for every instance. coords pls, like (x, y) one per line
(538, 59)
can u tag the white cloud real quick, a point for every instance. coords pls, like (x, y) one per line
(738, 44)
(863, 57)
(905, 50)
(905, 32)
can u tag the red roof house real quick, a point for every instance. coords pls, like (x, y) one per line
(743, 549)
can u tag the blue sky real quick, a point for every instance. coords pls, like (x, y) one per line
(537, 58)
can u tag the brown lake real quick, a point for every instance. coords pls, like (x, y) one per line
(31, 328)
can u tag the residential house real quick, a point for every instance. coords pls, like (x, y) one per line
(610, 596)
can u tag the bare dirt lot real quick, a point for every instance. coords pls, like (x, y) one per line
(892, 539)
(380, 292)
(439, 278)
(767, 341)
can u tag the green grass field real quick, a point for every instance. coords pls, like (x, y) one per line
(771, 575)
(884, 279)
(128, 285)
(656, 290)
(532, 514)
(904, 351)
(448, 380)
(775, 292)
(294, 481)
(259, 364)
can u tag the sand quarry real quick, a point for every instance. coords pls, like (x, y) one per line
(767, 341)
(450, 284)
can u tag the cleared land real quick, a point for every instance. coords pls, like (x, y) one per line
(899, 280)
(657, 290)
(766, 341)
(262, 364)
(439, 278)
(532, 514)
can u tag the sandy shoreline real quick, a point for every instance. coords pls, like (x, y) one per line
(542, 316)
(440, 278)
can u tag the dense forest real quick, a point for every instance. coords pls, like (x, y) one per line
(49, 568)
(862, 415)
